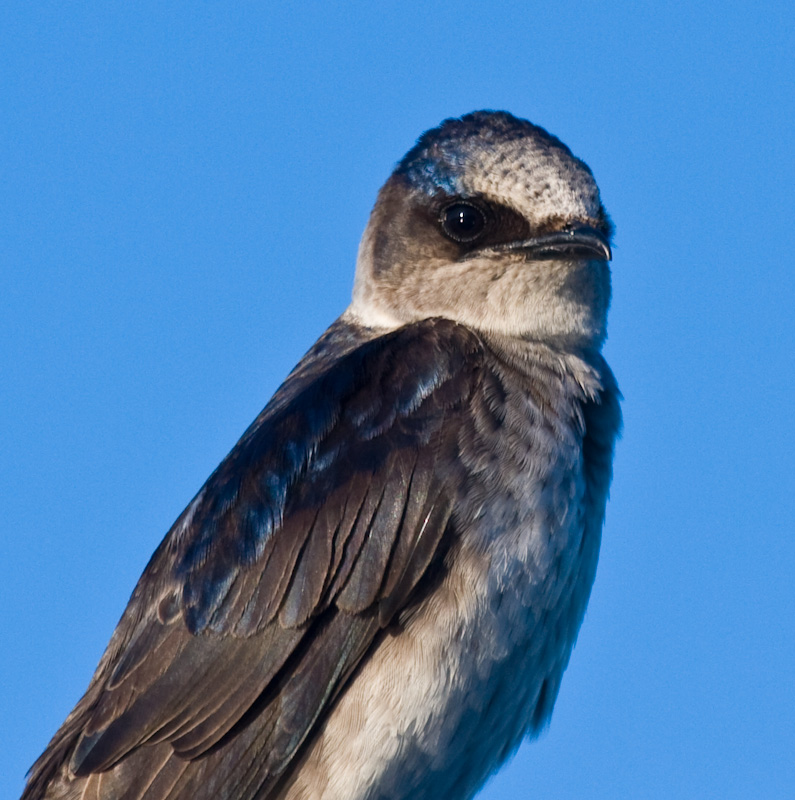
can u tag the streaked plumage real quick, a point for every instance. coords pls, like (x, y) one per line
(376, 593)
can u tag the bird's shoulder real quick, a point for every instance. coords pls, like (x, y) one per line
(302, 545)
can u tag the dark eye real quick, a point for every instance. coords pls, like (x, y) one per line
(463, 222)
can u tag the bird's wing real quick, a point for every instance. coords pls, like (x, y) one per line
(305, 542)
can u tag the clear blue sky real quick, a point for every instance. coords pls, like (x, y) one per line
(183, 190)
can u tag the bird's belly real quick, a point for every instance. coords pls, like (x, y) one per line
(438, 706)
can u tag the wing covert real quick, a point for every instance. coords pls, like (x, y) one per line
(303, 544)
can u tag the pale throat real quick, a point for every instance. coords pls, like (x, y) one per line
(538, 300)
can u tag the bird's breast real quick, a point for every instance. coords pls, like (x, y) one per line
(438, 705)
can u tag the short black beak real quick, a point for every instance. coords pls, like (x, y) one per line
(578, 243)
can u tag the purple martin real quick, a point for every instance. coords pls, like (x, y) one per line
(376, 593)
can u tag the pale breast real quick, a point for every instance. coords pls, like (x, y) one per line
(440, 704)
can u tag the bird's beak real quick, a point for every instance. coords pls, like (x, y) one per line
(580, 243)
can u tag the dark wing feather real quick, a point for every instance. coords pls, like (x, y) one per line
(267, 592)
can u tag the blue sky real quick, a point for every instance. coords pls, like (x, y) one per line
(184, 186)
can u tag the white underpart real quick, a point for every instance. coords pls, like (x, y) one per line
(418, 721)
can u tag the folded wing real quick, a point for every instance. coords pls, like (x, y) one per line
(279, 577)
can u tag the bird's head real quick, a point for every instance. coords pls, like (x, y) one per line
(490, 221)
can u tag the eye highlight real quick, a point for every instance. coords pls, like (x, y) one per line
(463, 222)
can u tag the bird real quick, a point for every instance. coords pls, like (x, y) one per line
(376, 593)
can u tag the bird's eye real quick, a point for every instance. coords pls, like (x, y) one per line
(463, 222)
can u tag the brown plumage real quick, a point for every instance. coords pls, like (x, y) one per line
(376, 593)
